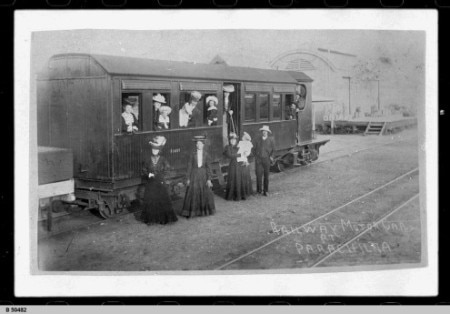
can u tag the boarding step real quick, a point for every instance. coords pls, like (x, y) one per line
(375, 128)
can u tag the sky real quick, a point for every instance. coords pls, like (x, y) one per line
(399, 55)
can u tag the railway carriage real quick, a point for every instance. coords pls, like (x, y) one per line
(80, 97)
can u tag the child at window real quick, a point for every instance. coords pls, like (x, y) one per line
(211, 115)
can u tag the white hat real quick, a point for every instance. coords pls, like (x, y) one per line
(211, 98)
(246, 136)
(165, 109)
(159, 98)
(196, 95)
(232, 135)
(265, 128)
(158, 142)
(228, 88)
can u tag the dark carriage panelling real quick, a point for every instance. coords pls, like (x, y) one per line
(130, 151)
(43, 113)
(282, 131)
(74, 66)
(77, 111)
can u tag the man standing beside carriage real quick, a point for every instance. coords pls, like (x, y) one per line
(263, 150)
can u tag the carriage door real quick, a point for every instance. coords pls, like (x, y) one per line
(232, 101)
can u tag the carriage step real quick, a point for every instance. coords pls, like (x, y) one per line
(375, 128)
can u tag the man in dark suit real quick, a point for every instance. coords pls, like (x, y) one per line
(264, 147)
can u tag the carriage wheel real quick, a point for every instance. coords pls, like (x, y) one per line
(105, 210)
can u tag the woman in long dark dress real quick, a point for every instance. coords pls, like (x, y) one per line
(236, 186)
(199, 199)
(157, 205)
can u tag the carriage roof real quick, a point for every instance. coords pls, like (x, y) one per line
(119, 65)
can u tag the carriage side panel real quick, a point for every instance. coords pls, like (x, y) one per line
(305, 117)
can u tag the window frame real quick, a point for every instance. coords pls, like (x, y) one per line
(140, 95)
(280, 118)
(205, 94)
(152, 93)
(258, 106)
(256, 113)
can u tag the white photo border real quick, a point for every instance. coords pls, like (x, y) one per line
(393, 282)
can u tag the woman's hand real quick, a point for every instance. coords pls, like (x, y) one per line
(209, 184)
(130, 128)
(188, 182)
(151, 175)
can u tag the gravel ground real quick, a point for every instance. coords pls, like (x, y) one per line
(297, 196)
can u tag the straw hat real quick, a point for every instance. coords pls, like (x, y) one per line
(201, 138)
(159, 98)
(165, 109)
(196, 96)
(228, 88)
(158, 142)
(212, 98)
(246, 137)
(265, 128)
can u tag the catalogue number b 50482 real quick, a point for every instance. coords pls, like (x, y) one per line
(16, 309)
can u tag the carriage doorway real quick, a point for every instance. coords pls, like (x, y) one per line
(231, 103)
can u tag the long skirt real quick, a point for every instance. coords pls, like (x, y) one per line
(157, 206)
(247, 180)
(199, 199)
(239, 184)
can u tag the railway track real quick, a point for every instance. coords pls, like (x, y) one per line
(324, 257)
(97, 220)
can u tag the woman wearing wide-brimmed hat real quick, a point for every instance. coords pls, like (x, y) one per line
(157, 206)
(235, 182)
(199, 198)
(158, 101)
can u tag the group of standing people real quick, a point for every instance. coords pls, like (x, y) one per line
(199, 198)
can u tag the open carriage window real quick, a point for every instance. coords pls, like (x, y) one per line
(250, 107)
(162, 111)
(211, 111)
(290, 107)
(131, 112)
(191, 110)
(300, 97)
(276, 107)
(263, 107)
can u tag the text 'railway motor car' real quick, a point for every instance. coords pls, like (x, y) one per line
(80, 100)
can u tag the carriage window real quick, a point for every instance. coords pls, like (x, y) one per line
(211, 112)
(250, 107)
(301, 97)
(131, 109)
(190, 115)
(162, 112)
(263, 107)
(276, 107)
(290, 107)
